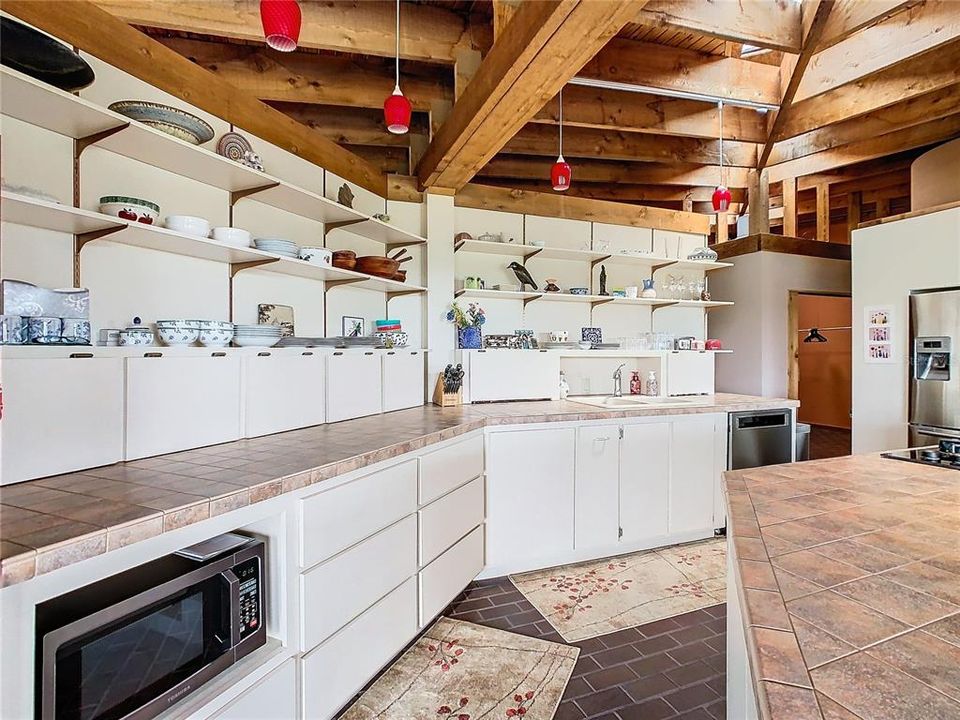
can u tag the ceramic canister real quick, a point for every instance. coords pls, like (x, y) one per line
(76, 330)
(44, 329)
(12, 330)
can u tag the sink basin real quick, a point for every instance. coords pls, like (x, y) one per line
(628, 401)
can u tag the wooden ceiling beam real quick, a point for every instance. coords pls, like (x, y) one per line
(541, 48)
(395, 160)
(86, 26)
(621, 192)
(671, 68)
(918, 136)
(486, 197)
(427, 32)
(931, 71)
(861, 172)
(641, 112)
(515, 166)
(353, 126)
(918, 29)
(612, 145)
(764, 24)
(851, 16)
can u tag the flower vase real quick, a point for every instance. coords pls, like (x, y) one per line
(648, 290)
(470, 338)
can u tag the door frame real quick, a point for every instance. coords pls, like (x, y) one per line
(793, 341)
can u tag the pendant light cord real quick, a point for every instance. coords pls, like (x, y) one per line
(561, 122)
(398, 46)
(720, 106)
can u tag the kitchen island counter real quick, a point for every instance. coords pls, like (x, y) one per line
(844, 592)
(51, 522)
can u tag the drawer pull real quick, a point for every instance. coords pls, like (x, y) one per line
(391, 352)
(263, 354)
(219, 353)
(602, 439)
(153, 355)
(306, 353)
(81, 355)
(415, 353)
(368, 353)
(338, 353)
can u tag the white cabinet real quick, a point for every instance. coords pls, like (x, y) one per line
(530, 481)
(343, 664)
(284, 391)
(272, 698)
(176, 403)
(645, 481)
(448, 519)
(597, 486)
(690, 373)
(354, 385)
(59, 415)
(512, 374)
(449, 467)
(692, 475)
(445, 577)
(402, 379)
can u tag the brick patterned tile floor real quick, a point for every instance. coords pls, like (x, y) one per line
(671, 669)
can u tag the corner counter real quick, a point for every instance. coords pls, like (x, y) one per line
(843, 591)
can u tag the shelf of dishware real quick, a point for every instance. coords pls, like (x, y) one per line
(48, 215)
(42, 105)
(527, 297)
(528, 252)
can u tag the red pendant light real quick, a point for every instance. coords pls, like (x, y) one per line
(281, 23)
(560, 173)
(721, 196)
(396, 108)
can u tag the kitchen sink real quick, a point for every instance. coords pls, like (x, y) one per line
(628, 401)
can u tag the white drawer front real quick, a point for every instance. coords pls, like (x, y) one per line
(354, 384)
(343, 587)
(450, 573)
(336, 519)
(60, 415)
(176, 403)
(448, 519)
(284, 391)
(339, 668)
(273, 697)
(402, 379)
(447, 468)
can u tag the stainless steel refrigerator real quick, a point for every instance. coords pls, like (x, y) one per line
(934, 366)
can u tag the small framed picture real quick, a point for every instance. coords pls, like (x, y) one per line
(354, 326)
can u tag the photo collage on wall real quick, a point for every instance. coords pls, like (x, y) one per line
(879, 329)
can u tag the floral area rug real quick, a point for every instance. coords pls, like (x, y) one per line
(461, 671)
(600, 597)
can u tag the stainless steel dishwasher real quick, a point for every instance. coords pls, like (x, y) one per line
(760, 437)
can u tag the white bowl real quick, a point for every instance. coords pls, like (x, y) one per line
(584, 345)
(178, 335)
(255, 341)
(215, 337)
(130, 208)
(188, 225)
(317, 256)
(231, 236)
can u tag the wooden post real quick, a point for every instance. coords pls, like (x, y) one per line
(758, 203)
(823, 212)
(854, 205)
(722, 228)
(687, 203)
(883, 207)
(790, 207)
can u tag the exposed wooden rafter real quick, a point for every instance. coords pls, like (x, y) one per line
(851, 16)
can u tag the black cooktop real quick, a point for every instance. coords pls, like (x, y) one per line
(938, 456)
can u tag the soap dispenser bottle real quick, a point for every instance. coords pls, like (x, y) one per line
(653, 387)
(635, 384)
(564, 386)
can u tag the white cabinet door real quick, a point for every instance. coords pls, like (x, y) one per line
(60, 415)
(272, 698)
(402, 379)
(645, 481)
(513, 375)
(354, 382)
(690, 373)
(692, 475)
(284, 391)
(597, 486)
(176, 403)
(529, 497)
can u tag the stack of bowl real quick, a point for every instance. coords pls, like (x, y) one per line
(278, 246)
(234, 237)
(390, 334)
(178, 332)
(215, 333)
(256, 335)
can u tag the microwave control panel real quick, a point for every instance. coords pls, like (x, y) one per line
(248, 572)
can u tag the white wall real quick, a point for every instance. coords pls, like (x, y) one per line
(890, 260)
(755, 328)
(935, 176)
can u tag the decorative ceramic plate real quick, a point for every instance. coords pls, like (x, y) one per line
(170, 120)
(233, 146)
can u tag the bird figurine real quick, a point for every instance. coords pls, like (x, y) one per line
(522, 275)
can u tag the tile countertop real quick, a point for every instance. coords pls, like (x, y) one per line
(48, 523)
(849, 571)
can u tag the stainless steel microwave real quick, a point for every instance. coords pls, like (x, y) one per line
(130, 646)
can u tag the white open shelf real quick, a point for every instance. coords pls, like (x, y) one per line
(498, 294)
(597, 300)
(45, 106)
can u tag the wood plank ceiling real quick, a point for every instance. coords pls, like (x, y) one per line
(857, 89)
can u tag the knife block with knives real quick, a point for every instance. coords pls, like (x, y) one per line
(448, 392)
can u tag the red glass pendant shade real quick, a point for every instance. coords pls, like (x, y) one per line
(396, 112)
(721, 199)
(281, 23)
(560, 175)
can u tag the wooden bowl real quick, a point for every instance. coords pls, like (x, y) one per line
(377, 265)
(344, 259)
(400, 275)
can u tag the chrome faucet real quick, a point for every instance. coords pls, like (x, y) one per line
(618, 381)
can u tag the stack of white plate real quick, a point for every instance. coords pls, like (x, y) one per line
(278, 246)
(256, 335)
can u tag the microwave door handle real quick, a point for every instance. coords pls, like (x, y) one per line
(233, 583)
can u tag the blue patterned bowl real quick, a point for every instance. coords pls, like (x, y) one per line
(170, 120)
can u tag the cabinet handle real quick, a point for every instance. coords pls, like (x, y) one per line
(81, 355)
(219, 353)
(368, 353)
(338, 353)
(263, 354)
(306, 353)
(601, 439)
(414, 353)
(391, 352)
(153, 355)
